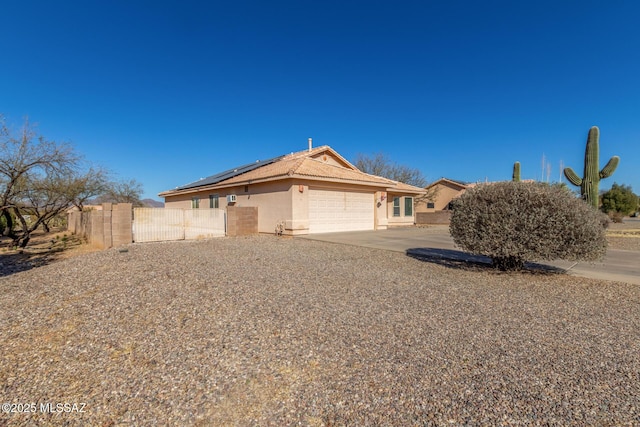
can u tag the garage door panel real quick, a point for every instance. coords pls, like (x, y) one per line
(331, 211)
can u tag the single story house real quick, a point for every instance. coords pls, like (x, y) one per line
(311, 191)
(444, 191)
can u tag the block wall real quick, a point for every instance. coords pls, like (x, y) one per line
(242, 220)
(439, 217)
(110, 227)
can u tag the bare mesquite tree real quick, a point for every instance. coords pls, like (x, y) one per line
(124, 191)
(40, 179)
(27, 161)
(381, 165)
(83, 187)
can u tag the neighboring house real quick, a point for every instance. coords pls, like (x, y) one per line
(445, 190)
(312, 191)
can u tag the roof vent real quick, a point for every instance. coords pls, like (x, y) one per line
(310, 143)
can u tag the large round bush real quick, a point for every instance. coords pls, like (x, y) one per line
(514, 222)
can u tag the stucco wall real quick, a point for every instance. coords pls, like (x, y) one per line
(382, 221)
(445, 193)
(328, 159)
(402, 219)
(299, 209)
(288, 201)
(273, 200)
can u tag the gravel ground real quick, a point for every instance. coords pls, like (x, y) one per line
(624, 236)
(281, 331)
(627, 243)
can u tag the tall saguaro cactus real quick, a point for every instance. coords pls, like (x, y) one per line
(590, 182)
(516, 172)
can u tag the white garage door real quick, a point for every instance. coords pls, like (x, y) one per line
(331, 210)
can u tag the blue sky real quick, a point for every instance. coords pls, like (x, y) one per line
(169, 92)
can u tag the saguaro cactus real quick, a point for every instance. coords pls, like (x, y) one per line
(516, 172)
(590, 182)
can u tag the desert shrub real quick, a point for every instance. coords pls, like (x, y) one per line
(514, 222)
(617, 217)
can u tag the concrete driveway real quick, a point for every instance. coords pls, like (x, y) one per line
(436, 244)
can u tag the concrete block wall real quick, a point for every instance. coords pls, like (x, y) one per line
(73, 221)
(242, 220)
(121, 224)
(438, 217)
(96, 233)
(110, 227)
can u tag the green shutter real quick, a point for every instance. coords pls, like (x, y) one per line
(408, 206)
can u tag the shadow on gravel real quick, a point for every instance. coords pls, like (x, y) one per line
(43, 249)
(18, 262)
(465, 261)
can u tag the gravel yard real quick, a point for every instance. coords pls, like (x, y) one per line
(280, 331)
(624, 236)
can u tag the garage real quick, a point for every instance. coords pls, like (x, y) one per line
(333, 210)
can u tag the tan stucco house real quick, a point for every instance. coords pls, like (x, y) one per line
(311, 191)
(444, 191)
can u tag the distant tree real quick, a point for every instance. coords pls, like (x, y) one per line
(381, 165)
(619, 199)
(83, 187)
(514, 222)
(125, 191)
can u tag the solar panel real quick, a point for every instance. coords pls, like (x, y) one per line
(214, 179)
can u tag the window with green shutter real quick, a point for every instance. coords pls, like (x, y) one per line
(396, 206)
(408, 206)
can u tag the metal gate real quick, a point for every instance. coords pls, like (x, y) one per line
(161, 224)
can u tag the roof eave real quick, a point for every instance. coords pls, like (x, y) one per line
(220, 186)
(457, 184)
(405, 191)
(270, 179)
(341, 181)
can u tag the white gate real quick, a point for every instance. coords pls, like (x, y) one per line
(161, 224)
(202, 223)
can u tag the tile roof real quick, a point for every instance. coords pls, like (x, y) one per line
(301, 164)
(453, 181)
(406, 188)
